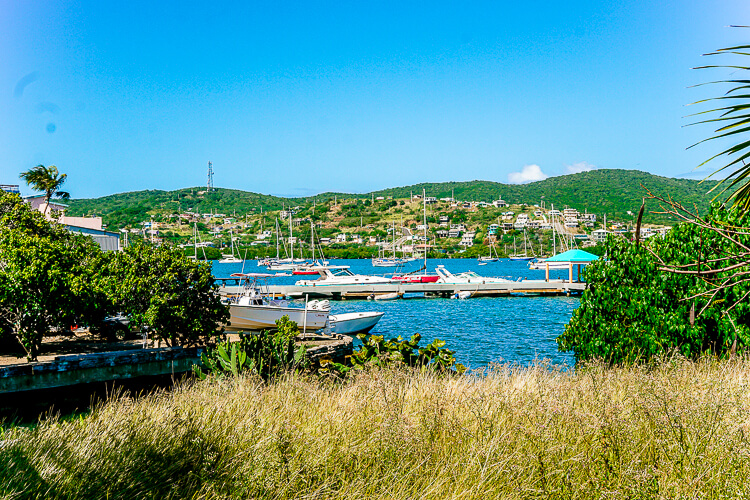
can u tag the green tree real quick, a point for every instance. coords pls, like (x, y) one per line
(48, 180)
(46, 275)
(633, 310)
(175, 296)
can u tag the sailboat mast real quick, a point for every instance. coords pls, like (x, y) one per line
(424, 221)
(393, 228)
(525, 251)
(291, 245)
(554, 242)
(277, 238)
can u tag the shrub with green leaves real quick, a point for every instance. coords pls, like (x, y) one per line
(175, 296)
(268, 353)
(632, 310)
(47, 276)
(376, 351)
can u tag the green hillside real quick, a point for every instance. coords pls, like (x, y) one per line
(121, 209)
(613, 192)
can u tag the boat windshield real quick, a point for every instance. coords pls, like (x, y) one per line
(341, 272)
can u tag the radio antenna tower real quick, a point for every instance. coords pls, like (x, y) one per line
(210, 183)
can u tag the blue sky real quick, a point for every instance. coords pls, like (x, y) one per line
(296, 98)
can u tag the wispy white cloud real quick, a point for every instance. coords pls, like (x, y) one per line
(579, 167)
(529, 173)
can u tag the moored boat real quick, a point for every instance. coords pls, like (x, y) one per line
(255, 311)
(356, 322)
(341, 275)
(466, 277)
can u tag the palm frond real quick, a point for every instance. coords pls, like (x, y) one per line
(732, 121)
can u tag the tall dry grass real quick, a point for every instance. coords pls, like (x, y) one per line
(676, 430)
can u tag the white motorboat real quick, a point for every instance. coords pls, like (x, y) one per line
(383, 296)
(282, 265)
(255, 311)
(542, 264)
(387, 262)
(467, 277)
(341, 275)
(357, 322)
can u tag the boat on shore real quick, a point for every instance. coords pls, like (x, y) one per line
(254, 310)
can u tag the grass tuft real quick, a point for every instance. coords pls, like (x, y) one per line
(675, 429)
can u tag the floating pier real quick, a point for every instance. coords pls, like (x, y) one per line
(231, 287)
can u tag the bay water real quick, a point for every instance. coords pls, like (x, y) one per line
(516, 329)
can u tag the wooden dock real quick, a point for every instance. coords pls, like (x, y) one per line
(364, 290)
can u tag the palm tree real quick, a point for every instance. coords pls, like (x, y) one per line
(46, 179)
(732, 117)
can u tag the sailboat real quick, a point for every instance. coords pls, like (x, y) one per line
(523, 256)
(289, 263)
(489, 258)
(383, 261)
(230, 259)
(413, 277)
(317, 265)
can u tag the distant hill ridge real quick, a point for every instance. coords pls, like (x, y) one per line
(613, 192)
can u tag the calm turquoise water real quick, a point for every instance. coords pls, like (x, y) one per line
(480, 330)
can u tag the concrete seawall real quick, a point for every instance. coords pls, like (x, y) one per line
(76, 369)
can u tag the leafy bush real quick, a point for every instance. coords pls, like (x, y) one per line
(176, 297)
(267, 353)
(376, 351)
(634, 311)
(47, 276)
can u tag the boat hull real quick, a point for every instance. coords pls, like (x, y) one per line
(358, 322)
(417, 279)
(264, 317)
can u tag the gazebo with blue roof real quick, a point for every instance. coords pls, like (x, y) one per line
(573, 257)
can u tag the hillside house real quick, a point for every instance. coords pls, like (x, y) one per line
(599, 235)
(467, 240)
(570, 213)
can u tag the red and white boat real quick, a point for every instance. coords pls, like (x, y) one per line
(417, 278)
